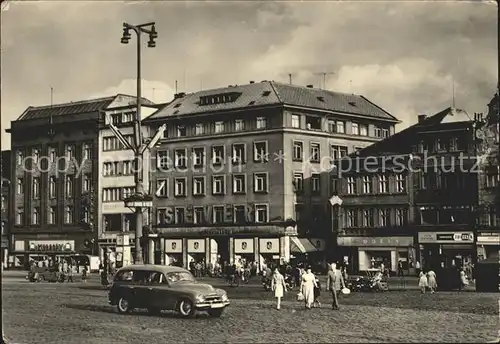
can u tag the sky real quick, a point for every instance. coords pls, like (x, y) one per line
(404, 56)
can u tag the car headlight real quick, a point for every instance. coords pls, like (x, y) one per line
(200, 298)
(224, 297)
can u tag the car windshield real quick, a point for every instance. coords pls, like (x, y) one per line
(180, 276)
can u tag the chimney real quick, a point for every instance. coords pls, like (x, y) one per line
(252, 82)
(309, 86)
(179, 95)
(421, 118)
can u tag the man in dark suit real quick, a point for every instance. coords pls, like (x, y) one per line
(334, 283)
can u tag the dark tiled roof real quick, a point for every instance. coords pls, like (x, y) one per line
(274, 93)
(84, 106)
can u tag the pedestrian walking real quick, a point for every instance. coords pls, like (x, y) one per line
(84, 274)
(417, 268)
(278, 286)
(463, 279)
(400, 269)
(422, 282)
(317, 293)
(307, 285)
(431, 281)
(334, 283)
(70, 273)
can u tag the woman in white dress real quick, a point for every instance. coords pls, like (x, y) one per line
(431, 281)
(278, 285)
(307, 286)
(422, 282)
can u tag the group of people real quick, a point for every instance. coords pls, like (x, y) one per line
(310, 286)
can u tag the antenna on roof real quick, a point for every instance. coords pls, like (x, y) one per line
(51, 96)
(324, 77)
(290, 78)
(453, 91)
(175, 86)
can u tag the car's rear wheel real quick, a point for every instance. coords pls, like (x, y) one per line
(186, 308)
(215, 312)
(123, 306)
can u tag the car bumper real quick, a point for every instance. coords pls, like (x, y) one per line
(214, 305)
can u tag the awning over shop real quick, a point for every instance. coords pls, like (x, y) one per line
(301, 245)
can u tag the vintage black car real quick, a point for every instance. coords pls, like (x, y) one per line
(158, 287)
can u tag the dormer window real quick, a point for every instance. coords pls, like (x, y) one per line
(128, 117)
(266, 93)
(219, 98)
(116, 118)
(181, 131)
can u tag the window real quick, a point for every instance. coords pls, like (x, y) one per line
(298, 151)
(260, 182)
(4, 202)
(109, 168)
(198, 186)
(384, 217)
(352, 218)
(368, 218)
(52, 187)
(363, 130)
(316, 183)
(180, 215)
(87, 151)
(355, 128)
(378, 132)
(298, 182)
(239, 214)
(261, 123)
(315, 152)
(20, 186)
(383, 185)
(19, 158)
(340, 127)
(299, 212)
(295, 121)
(51, 219)
(180, 158)
(331, 126)
(52, 154)
(218, 155)
(199, 129)
(180, 187)
(69, 186)
(20, 216)
(35, 218)
(198, 215)
(181, 131)
(219, 127)
(238, 153)
(261, 214)
(218, 187)
(351, 185)
(334, 186)
(162, 160)
(161, 216)
(218, 214)
(338, 152)
(161, 188)
(69, 152)
(400, 183)
(127, 192)
(367, 185)
(128, 117)
(401, 217)
(239, 181)
(87, 182)
(199, 156)
(385, 133)
(260, 153)
(116, 118)
(36, 156)
(112, 143)
(491, 179)
(68, 214)
(111, 194)
(36, 188)
(239, 125)
(127, 168)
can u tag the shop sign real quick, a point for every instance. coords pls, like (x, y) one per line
(168, 216)
(51, 246)
(269, 245)
(488, 238)
(445, 237)
(196, 246)
(375, 241)
(173, 245)
(243, 246)
(223, 231)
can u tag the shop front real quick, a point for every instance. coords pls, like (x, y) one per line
(368, 253)
(42, 251)
(488, 245)
(173, 252)
(446, 249)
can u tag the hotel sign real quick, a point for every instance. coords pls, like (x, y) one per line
(375, 241)
(445, 237)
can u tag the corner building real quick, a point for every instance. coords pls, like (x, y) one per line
(238, 173)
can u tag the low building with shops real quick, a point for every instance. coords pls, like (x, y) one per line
(54, 171)
(239, 172)
(429, 209)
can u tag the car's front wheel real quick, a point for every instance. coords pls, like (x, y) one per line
(123, 305)
(186, 308)
(215, 312)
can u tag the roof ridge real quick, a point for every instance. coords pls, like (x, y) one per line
(73, 103)
(377, 106)
(275, 91)
(317, 89)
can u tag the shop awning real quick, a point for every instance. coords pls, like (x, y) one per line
(301, 245)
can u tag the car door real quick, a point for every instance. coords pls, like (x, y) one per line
(142, 288)
(161, 295)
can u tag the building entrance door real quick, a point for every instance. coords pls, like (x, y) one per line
(223, 252)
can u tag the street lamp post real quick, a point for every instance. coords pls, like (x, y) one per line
(139, 200)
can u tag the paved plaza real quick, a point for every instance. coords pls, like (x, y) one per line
(77, 313)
